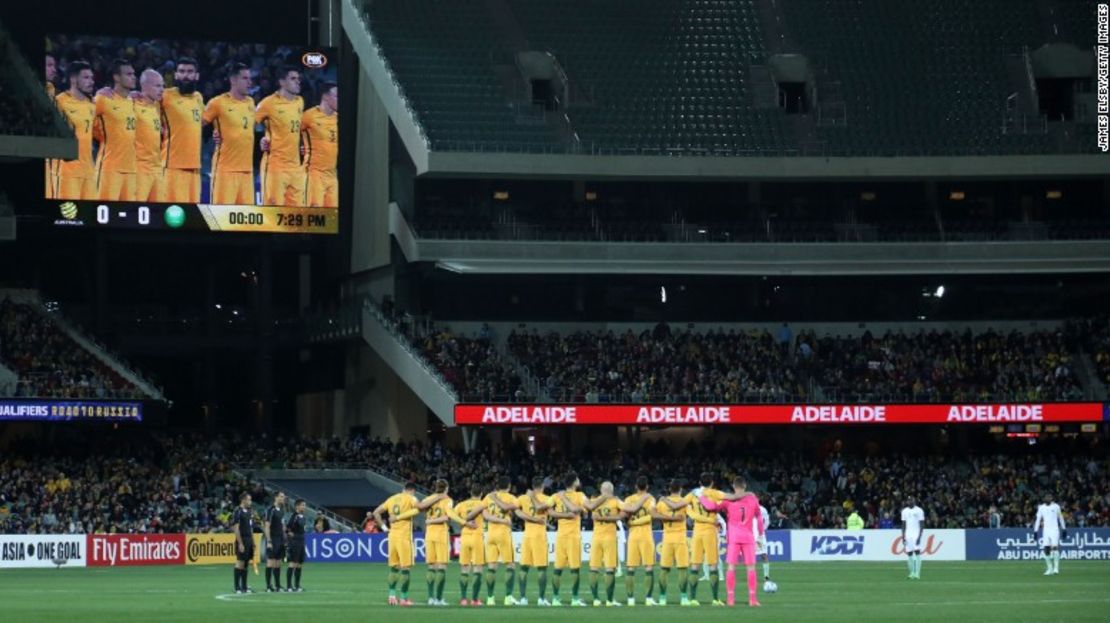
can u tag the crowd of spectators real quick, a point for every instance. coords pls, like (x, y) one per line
(51, 364)
(658, 366)
(662, 365)
(800, 490)
(176, 483)
(117, 483)
(473, 366)
(948, 366)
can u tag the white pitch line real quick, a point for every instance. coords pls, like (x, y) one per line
(1079, 600)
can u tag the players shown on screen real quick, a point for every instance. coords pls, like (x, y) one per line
(139, 140)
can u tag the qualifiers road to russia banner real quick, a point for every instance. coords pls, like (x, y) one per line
(64, 410)
(724, 415)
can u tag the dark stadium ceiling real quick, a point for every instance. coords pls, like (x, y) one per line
(836, 258)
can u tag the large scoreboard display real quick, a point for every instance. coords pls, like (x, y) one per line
(194, 135)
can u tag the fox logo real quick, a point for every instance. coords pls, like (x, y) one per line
(314, 60)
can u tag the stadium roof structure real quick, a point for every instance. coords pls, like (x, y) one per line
(44, 134)
(732, 89)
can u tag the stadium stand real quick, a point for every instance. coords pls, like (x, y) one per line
(444, 55)
(732, 366)
(49, 362)
(668, 78)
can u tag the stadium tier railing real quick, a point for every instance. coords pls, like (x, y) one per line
(152, 390)
(398, 333)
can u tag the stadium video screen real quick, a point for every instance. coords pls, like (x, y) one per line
(195, 135)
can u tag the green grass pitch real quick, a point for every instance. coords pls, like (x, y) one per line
(826, 592)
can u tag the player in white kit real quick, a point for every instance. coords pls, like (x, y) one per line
(761, 543)
(1050, 523)
(913, 527)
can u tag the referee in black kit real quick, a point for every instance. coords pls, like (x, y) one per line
(274, 528)
(294, 530)
(243, 522)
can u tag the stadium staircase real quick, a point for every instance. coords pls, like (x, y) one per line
(441, 58)
(532, 385)
(1085, 369)
(384, 335)
(277, 481)
(109, 358)
(339, 485)
(114, 361)
(8, 380)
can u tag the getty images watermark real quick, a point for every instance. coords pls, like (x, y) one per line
(1102, 56)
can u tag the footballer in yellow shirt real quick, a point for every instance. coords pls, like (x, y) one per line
(705, 543)
(675, 552)
(115, 131)
(640, 508)
(472, 553)
(182, 105)
(569, 505)
(320, 135)
(532, 510)
(149, 181)
(500, 505)
(76, 179)
(232, 117)
(280, 113)
(401, 508)
(51, 164)
(603, 550)
(437, 542)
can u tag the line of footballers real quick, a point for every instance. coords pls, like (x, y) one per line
(149, 139)
(486, 542)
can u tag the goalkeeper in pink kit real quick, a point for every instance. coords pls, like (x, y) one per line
(742, 509)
